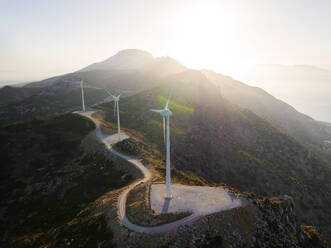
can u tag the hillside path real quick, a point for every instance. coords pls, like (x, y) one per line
(109, 141)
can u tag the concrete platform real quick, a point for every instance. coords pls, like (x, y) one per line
(194, 199)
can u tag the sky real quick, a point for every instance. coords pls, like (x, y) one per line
(41, 38)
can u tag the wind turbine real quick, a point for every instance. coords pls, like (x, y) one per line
(166, 113)
(116, 109)
(83, 101)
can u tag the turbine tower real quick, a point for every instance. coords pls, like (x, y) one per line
(116, 109)
(166, 113)
(83, 101)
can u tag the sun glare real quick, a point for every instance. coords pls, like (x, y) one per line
(205, 36)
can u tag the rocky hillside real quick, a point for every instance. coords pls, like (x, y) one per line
(59, 189)
(260, 222)
(263, 222)
(47, 169)
(223, 143)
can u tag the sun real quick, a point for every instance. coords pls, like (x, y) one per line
(205, 36)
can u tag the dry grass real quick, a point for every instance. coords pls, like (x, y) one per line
(316, 239)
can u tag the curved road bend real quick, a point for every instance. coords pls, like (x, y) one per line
(109, 141)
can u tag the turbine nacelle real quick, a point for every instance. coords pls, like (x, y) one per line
(116, 98)
(164, 112)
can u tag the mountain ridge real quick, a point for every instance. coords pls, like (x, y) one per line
(148, 75)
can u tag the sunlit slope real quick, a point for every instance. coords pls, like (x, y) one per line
(223, 143)
(47, 169)
(311, 133)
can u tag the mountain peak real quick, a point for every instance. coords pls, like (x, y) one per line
(133, 52)
(128, 59)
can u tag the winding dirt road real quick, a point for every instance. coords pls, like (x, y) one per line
(109, 141)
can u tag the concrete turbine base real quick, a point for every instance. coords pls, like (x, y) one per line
(195, 199)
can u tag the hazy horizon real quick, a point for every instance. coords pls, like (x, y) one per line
(239, 76)
(43, 39)
(298, 80)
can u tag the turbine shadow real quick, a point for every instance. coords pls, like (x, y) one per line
(166, 205)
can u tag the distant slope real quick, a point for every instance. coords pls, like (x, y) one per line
(309, 132)
(47, 169)
(223, 143)
(305, 87)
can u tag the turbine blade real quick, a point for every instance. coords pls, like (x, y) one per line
(109, 93)
(157, 110)
(169, 96)
(164, 129)
(114, 108)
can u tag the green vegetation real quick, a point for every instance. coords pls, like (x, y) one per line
(135, 115)
(131, 147)
(47, 178)
(83, 231)
(137, 146)
(106, 127)
(174, 106)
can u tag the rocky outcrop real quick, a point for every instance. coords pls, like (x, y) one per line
(261, 222)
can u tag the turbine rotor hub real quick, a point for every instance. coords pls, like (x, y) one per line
(166, 113)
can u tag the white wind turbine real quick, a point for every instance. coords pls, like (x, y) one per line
(116, 109)
(83, 101)
(166, 113)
